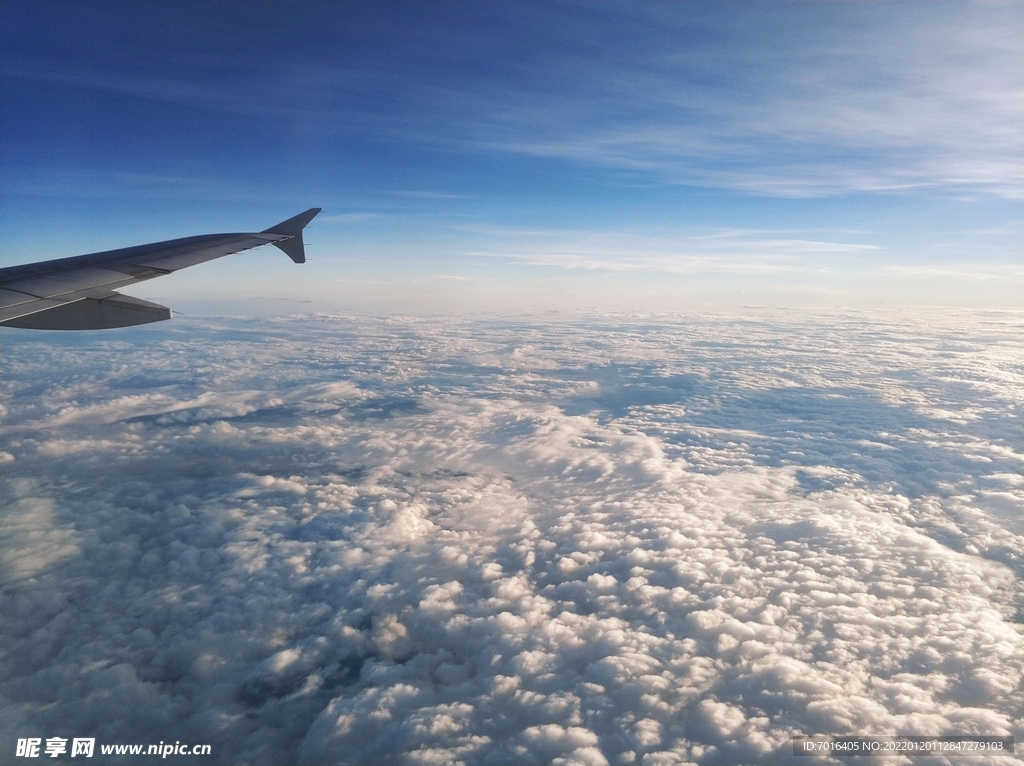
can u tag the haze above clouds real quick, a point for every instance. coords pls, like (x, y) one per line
(619, 540)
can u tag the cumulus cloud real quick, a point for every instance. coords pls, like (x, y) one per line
(612, 541)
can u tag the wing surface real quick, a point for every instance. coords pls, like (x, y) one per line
(79, 293)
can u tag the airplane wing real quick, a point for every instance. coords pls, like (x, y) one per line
(79, 293)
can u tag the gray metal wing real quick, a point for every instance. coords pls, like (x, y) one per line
(79, 293)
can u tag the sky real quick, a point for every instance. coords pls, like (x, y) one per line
(506, 158)
(407, 540)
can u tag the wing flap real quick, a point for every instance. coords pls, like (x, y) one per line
(10, 298)
(25, 308)
(114, 310)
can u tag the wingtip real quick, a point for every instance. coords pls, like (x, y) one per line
(293, 227)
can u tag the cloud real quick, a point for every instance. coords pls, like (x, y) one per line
(345, 218)
(31, 541)
(428, 195)
(959, 272)
(599, 541)
(858, 104)
(724, 251)
(811, 104)
(797, 102)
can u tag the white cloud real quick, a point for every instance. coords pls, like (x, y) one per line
(725, 251)
(345, 218)
(604, 541)
(31, 541)
(857, 98)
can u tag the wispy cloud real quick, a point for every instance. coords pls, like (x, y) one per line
(831, 100)
(463, 278)
(345, 218)
(796, 101)
(723, 250)
(427, 194)
(971, 272)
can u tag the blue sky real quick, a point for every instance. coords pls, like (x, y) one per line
(507, 157)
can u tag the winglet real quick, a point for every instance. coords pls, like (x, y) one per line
(293, 228)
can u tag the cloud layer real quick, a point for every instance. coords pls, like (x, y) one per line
(618, 540)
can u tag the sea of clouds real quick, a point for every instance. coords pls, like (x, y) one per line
(610, 540)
